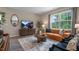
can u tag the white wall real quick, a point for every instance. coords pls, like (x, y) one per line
(45, 19)
(8, 28)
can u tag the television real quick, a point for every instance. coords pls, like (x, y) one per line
(26, 24)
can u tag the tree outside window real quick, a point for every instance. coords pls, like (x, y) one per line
(61, 20)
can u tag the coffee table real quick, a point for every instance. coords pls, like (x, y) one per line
(41, 38)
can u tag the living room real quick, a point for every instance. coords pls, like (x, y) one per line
(46, 28)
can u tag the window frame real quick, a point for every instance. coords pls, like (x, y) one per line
(60, 20)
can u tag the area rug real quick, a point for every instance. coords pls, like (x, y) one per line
(29, 43)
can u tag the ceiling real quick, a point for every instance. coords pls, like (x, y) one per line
(35, 10)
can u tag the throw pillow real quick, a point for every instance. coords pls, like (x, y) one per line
(61, 31)
(72, 45)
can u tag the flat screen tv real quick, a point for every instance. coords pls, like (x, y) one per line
(26, 24)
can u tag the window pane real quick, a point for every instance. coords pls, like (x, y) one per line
(66, 15)
(66, 24)
(69, 24)
(53, 21)
(69, 15)
(63, 16)
(55, 25)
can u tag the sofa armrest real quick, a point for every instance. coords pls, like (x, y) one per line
(58, 47)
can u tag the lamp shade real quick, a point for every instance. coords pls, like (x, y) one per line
(43, 25)
(76, 25)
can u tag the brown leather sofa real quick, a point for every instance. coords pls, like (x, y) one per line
(54, 35)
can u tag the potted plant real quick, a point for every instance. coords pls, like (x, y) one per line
(2, 20)
(39, 27)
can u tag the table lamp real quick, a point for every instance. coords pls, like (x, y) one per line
(77, 27)
(44, 28)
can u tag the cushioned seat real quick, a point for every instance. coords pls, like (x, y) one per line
(54, 36)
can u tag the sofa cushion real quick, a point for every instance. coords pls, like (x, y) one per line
(55, 31)
(54, 36)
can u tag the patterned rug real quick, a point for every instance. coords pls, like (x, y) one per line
(29, 43)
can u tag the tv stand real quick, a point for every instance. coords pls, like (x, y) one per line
(25, 32)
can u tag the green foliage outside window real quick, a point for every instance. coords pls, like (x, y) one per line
(55, 25)
(65, 25)
(63, 20)
(66, 16)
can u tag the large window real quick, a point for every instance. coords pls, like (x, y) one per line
(61, 20)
